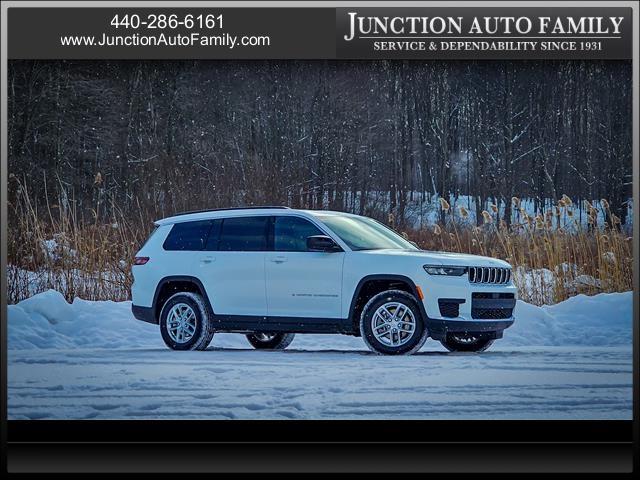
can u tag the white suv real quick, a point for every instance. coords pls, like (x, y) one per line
(271, 272)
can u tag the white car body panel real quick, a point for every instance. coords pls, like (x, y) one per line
(234, 282)
(302, 284)
(305, 284)
(410, 264)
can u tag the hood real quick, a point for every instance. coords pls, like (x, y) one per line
(441, 258)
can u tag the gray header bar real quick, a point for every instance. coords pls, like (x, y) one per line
(321, 33)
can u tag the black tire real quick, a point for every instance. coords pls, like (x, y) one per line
(466, 342)
(270, 341)
(412, 343)
(203, 333)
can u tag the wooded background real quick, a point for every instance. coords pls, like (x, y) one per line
(368, 137)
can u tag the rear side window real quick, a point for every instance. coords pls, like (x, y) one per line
(290, 234)
(214, 235)
(244, 234)
(188, 236)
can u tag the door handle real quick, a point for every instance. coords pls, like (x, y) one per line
(208, 259)
(279, 259)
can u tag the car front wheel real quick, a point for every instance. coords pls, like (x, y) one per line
(466, 342)
(391, 324)
(270, 341)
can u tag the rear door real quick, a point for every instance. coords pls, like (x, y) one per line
(232, 266)
(301, 283)
(181, 249)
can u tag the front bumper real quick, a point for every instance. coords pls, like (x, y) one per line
(438, 329)
(456, 305)
(458, 289)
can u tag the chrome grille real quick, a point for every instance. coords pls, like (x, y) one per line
(489, 275)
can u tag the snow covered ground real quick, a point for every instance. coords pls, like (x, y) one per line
(93, 360)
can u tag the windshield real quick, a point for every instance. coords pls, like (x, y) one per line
(362, 233)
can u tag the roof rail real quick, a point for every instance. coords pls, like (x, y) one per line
(261, 207)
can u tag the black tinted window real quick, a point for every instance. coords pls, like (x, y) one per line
(214, 235)
(244, 234)
(188, 236)
(290, 234)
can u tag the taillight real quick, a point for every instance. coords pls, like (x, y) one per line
(140, 260)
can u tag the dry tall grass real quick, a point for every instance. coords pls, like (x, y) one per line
(90, 258)
(80, 257)
(552, 260)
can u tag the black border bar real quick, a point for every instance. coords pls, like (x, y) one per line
(322, 458)
(274, 431)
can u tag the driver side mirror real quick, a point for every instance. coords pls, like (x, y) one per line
(322, 243)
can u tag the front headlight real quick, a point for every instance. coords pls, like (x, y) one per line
(445, 270)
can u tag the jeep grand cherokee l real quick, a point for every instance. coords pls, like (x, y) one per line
(272, 272)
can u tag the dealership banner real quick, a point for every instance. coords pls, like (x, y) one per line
(321, 33)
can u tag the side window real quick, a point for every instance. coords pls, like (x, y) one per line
(214, 235)
(244, 234)
(188, 236)
(290, 234)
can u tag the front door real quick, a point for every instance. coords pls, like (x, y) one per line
(301, 283)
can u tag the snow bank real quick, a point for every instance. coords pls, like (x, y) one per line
(47, 321)
(539, 284)
(600, 320)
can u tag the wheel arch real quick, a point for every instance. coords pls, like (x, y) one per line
(378, 283)
(172, 284)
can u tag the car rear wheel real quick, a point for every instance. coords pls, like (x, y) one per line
(466, 342)
(185, 322)
(391, 324)
(270, 341)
